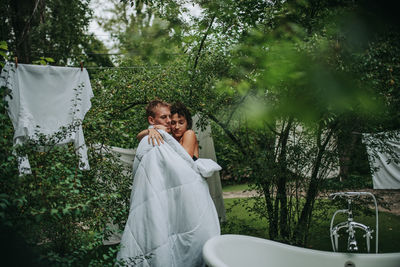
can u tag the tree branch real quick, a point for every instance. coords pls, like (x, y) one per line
(237, 106)
(28, 23)
(228, 133)
(131, 105)
(202, 42)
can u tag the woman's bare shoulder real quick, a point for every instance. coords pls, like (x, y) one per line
(189, 134)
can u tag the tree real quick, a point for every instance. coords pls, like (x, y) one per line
(48, 29)
(148, 30)
(302, 82)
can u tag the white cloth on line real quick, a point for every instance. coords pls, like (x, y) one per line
(387, 173)
(207, 150)
(45, 98)
(171, 212)
(125, 156)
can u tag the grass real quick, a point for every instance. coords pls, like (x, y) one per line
(241, 221)
(234, 188)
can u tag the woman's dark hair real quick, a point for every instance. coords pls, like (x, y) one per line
(182, 110)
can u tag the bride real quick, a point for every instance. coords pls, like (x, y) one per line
(181, 128)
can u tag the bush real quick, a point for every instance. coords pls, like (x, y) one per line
(61, 211)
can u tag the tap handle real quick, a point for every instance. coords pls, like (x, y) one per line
(347, 195)
(336, 241)
(368, 236)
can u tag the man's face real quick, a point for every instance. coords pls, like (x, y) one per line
(162, 117)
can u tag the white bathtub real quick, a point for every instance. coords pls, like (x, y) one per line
(247, 251)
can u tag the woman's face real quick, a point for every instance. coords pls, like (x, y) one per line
(178, 125)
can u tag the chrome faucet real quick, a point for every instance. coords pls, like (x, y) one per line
(350, 224)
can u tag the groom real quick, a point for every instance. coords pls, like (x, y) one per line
(158, 112)
(158, 115)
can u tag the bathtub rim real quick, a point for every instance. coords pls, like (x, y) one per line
(208, 249)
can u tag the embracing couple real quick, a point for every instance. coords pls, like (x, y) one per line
(175, 119)
(171, 212)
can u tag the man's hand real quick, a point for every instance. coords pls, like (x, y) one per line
(155, 135)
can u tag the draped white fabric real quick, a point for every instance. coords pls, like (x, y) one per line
(387, 175)
(45, 98)
(207, 150)
(125, 155)
(171, 213)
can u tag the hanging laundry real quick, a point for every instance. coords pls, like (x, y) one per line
(45, 98)
(387, 171)
(207, 151)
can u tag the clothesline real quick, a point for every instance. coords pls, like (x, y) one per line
(125, 67)
(107, 67)
(101, 53)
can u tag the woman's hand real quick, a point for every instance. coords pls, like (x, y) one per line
(155, 135)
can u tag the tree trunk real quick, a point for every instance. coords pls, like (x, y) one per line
(273, 223)
(301, 228)
(281, 195)
(346, 143)
(21, 18)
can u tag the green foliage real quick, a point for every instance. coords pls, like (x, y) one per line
(43, 61)
(278, 100)
(149, 30)
(241, 221)
(53, 29)
(285, 85)
(62, 213)
(303, 96)
(3, 53)
(118, 114)
(59, 208)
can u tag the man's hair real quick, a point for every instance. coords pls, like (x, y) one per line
(180, 109)
(151, 106)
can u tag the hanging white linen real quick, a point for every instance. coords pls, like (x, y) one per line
(207, 151)
(45, 98)
(387, 173)
(171, 212)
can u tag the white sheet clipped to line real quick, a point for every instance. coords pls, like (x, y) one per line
(207, 151)
(45, 98)
(387, 175)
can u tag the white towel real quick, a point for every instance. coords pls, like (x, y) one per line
(45, 98)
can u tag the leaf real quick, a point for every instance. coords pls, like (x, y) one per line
(3, 45)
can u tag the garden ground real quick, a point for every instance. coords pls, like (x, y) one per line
(392, 196)
(240, 221)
